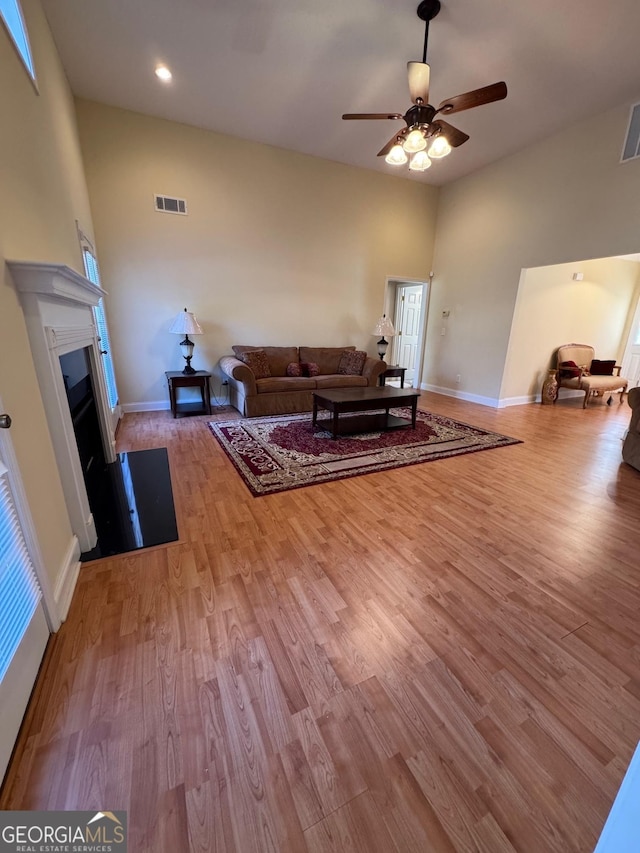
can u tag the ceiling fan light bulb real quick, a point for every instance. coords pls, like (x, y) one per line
(396, 157)
(414, 142)
(419, 162)
(439, 147)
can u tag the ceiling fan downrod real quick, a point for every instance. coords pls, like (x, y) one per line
(427, 10)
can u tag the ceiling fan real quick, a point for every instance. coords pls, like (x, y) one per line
(423, 129)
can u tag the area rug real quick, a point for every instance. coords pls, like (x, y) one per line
(286, 452)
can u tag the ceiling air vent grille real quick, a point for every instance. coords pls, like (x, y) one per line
(167, 204)
(631, 148)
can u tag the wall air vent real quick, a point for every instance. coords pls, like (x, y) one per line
(167, 204)
(631, 148)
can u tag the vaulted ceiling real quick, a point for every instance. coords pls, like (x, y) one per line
(282, 72)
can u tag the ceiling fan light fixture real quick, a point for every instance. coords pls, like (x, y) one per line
(420, 162)
(396, 157)
(415, 141)
(439, 147)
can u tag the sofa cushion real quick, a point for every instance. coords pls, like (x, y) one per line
(280, 384)
(602, 368)
(327, 358)
(279, 357)
(309, 368)
(340, 380)
(351, 362)
(295, 369)
(258, 362)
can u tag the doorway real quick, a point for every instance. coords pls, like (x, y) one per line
(408, 303)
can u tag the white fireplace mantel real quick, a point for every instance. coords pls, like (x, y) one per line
(55, 280)
(57, 303)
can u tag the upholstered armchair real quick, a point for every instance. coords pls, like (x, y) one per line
(577, 369)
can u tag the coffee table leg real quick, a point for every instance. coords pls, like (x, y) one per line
(414, 409)
(315, 412)
(335, 423)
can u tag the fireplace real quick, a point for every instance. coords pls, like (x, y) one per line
(57, 304)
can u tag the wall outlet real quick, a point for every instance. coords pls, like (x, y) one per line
(458, 378)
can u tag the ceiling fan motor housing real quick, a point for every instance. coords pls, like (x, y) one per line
(419, 114)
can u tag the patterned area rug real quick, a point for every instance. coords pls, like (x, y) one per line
(278, 453)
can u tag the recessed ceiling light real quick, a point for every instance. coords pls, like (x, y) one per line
(163, 73)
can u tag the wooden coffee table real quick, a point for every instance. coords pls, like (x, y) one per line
(348, 400)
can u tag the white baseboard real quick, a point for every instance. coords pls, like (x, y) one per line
(67, 577)
(525, 400)
(153, 406)
(461, 395)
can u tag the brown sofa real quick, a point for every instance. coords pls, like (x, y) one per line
(281, 394)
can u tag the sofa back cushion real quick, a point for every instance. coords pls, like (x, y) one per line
(278, 357)
(327, 358)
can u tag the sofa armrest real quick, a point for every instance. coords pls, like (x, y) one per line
(241, 372)
(373, 368)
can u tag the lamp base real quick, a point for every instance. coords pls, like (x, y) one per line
(188, 370)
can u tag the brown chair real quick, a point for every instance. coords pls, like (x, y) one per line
(580, 378)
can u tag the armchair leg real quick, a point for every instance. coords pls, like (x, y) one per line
(586, 400)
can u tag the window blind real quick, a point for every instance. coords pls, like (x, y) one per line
(19, 588)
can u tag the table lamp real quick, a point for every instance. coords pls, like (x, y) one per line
(186, 324)
(383, 327)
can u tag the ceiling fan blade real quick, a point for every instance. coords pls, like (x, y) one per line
(397, 137)
(453, 136)
(419, 74)
(371, 115)
(486, 95)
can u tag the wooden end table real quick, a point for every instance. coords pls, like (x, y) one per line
(200, 379)
(393, 370)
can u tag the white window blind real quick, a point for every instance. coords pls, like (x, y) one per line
(19, 589)
(11, 14)
(93, 274)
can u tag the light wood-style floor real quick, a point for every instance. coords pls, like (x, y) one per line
(444, 657)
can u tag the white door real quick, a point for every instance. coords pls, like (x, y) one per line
(631, 359)
(408, 328)
(23, 626)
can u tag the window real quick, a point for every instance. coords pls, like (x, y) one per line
(93, 274)
(13, 18)
(19, 589)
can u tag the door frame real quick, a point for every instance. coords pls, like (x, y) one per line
(634, 330)
(393, 285)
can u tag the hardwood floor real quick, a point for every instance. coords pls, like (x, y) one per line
(444, 657)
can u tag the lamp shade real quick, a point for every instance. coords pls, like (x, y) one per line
(185, 324)
(383, 327)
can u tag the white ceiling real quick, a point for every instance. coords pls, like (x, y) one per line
(282, 72)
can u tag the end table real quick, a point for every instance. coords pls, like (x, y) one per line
(393, 370)
(200, 379)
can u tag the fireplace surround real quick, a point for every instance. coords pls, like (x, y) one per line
(57, 303)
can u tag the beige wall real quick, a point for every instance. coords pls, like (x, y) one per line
(553, 309)
(563, 199)
(278, 248)
(43, 192)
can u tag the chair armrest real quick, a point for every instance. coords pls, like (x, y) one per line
(241, 372)
(618, 367)
(372, 369)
